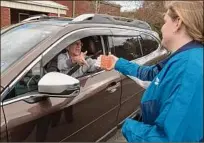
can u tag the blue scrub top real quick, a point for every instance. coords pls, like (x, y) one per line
(172, 106)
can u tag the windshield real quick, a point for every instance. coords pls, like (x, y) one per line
(16, 42)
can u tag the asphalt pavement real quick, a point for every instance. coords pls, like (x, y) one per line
(118, 137)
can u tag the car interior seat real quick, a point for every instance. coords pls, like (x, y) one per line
(92, 46)
(52, 65)
(91, 49)
(95, 46)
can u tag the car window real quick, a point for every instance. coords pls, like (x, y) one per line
(126, 47)
(148, 43)
(16, 42)
(28, 83)
(62, 63)
(92, 45)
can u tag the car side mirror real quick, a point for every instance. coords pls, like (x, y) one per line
(55, 84)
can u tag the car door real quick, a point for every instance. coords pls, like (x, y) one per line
(94, 110)
(30, 119)
(131, 91)
(127, 44)
(86, 117)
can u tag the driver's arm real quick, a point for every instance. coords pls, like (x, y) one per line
(86, 68)
(91, 65)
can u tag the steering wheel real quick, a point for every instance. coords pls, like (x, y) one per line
(33, 78)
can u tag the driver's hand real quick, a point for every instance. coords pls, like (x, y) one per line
(80, 59)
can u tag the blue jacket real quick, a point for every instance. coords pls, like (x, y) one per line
(172, 106)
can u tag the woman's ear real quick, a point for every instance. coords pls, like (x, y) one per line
(178, 23)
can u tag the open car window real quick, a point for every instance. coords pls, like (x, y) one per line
(94, 47)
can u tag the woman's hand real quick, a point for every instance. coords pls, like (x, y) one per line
(106, 62)
(80, 59)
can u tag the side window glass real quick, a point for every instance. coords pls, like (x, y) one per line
(149, 44)
(126, 47)
(27, 83)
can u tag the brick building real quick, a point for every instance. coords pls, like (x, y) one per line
(80, 7)
(14, 11)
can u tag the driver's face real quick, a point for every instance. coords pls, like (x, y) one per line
(75, 48)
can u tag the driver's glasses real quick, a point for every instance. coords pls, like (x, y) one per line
(77, 44)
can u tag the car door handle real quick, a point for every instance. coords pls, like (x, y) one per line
(113, 87)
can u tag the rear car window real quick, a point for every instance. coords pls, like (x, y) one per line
(149, 44)
(127, 47)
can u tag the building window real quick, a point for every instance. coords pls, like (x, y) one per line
(22, 16)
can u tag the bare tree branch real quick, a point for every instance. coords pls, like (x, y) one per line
(151, 12)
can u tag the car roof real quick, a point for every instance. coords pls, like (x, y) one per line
(104, 18)
(75, 24)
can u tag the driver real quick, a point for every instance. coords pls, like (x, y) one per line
(67, 62)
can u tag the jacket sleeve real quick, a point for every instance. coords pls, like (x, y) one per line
(63, 63)
(91, 63)
(84, 69)
(180, 118)
(145, 73)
